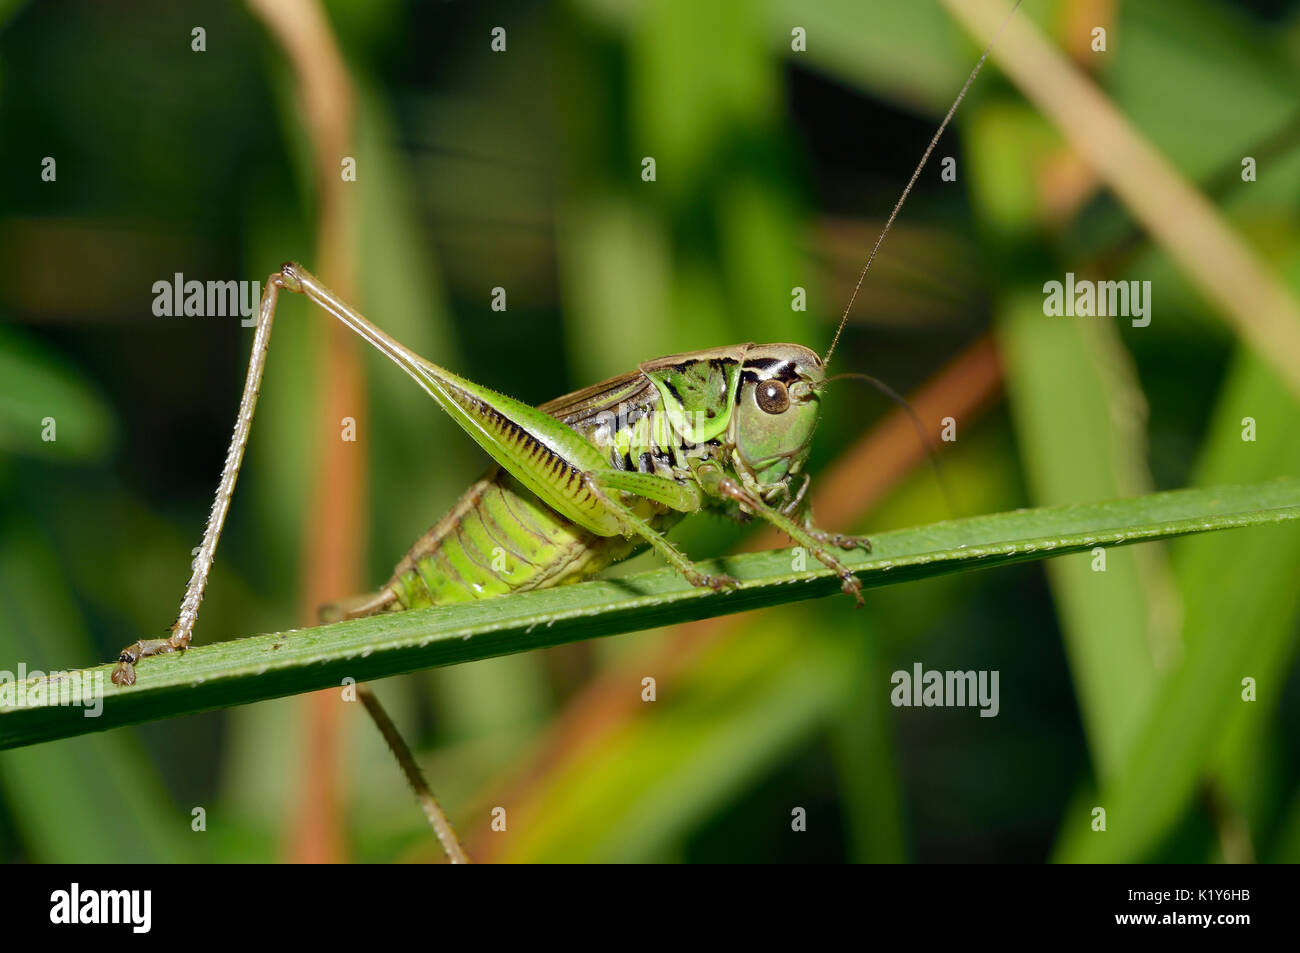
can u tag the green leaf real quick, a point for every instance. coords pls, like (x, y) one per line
(867, 764)
(47, 790)
(269, 666)
(1081, 420)
(1241, 603)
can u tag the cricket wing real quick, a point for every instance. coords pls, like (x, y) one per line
(629, 390)
(632, 390)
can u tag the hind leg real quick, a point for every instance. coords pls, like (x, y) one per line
(359, 607)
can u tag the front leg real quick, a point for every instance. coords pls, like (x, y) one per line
(838, 540)
(717, 482)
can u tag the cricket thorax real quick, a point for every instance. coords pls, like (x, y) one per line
(751, 405)
(680, 410)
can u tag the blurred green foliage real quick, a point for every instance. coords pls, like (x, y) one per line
(774, 169)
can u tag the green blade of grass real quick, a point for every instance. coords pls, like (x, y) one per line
(46, 790)
(1241, 607)
(269, 666)
(1081, 420)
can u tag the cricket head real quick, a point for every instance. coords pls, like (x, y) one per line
(776, 409)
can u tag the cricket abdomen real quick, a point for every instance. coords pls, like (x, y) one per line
(500, 538)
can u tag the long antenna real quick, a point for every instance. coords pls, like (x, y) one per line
(934, 141)
(917, 425)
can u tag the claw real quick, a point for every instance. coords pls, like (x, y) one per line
(839, 540)
(124, 674)
(852, 586)
(716, 583)
(851, 542)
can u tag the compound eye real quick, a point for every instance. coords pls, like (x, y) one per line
(772, 397)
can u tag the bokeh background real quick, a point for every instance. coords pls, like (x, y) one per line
(521, 169)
